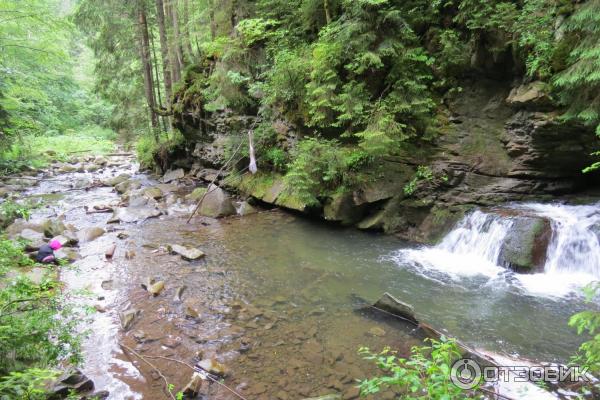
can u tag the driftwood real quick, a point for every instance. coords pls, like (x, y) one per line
(119, 154)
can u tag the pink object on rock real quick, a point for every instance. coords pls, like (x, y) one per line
(55, 244)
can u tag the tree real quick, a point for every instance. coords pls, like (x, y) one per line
(164, 50)
(146, 63)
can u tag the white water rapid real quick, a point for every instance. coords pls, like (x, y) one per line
(473, 249)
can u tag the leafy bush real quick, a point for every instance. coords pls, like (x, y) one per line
(11, 210)
(423, 173)
(588, 322)
(37, 330)
(320, 167)
(29, 384)
(424, 375)
(149, 150)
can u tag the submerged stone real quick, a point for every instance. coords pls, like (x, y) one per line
(213, 366)
(194, 385)
(133, 214)
(189, 253)
(377, 331)
(156, 288)
(117, 179)
(90, 234)
(326, 397)
(127, 318)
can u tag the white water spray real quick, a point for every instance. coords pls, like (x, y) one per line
(473, 248)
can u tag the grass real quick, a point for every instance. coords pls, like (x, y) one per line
(39, 151)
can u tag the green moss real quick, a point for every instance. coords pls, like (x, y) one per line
(257, 185)
(291, 201)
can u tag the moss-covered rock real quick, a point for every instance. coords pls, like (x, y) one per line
(196, 195)
(524, 248)
(216, 203)
(341, 208)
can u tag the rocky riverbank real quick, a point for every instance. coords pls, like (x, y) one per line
(164, 296)
(498, 143)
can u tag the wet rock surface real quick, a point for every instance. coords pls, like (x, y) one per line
(524, 249)
(217, 203)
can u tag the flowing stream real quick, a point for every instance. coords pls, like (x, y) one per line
(276, 294)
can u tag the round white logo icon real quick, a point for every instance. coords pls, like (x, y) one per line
(465, 373)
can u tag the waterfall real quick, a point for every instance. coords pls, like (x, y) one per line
(479, 234)
(474, 247)
(575, 245)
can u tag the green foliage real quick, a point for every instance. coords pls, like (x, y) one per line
(37, 330)
(535, 29)
(320, 167)
(588, 322)
(372, 39)
(255, 30)
(42, 92)
(29, 384)
(151, 153)
(285, 81)
(277, 158)
(424, 375)
(423, 173)
(579, 83)
(11, 210)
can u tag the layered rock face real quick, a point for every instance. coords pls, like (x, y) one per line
(498, 144)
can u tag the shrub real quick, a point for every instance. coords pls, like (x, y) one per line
(320, 167)
(425, 375)
(588, 322)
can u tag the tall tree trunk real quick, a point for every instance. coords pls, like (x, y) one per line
(164, 51)
(187, 36)
(147, 65)
(234, 5)
(213, 23)
(163, 119)
(327, 11)
(179, 61)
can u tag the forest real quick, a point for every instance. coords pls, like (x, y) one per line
(230, 184)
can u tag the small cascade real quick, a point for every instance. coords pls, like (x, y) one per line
(479, 234)
(575, 245)
(474, 247)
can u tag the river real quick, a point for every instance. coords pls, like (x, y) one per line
(277, 298)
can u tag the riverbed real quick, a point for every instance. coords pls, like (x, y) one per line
(277, 299)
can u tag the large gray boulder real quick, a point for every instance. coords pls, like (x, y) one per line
(216, 203)
(128, 185)
(341, 208)
(34, 239)
(524, 248)
(173, 175)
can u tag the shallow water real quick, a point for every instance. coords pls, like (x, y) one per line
(277, 296)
